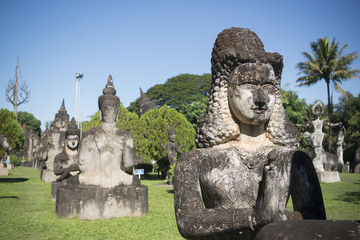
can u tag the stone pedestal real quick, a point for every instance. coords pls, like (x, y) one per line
(91, 202)
(48, 175)
(310, 229)
(2, 170)
(328, 176)
(54, 187)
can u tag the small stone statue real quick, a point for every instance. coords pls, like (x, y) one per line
(357, 158)
(171, 147)
(316, 138)
(56, 141)
(340, 143)
(247, 163)
(66, 163)
(107, 152)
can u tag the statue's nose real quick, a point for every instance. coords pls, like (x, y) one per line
(261, 97)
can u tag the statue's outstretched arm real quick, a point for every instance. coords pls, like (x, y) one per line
(193, 219)
(332, 124)
(305, 188)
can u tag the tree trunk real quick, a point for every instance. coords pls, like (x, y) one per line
(329, 111)
(16, 88)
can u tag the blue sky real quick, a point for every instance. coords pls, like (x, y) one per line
(143, 43)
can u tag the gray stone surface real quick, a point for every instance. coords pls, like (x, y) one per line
(145, 104)
(329, 176)
(247, 163)
(310, 229)
(91, 202)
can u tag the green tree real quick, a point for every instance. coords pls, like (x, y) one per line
(10, 127)
(195, 110)
(30, 122)
(295, 108)
(176, 91)
(327, 63)
(151, 129)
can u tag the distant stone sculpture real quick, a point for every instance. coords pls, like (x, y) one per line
(145, 104)
(66, 163)
(5, 144)
(340, 143)
(56, 139)
(104, 189)
(171, 147)
(249, 163)
(357, 158)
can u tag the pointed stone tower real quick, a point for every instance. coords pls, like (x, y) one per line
(145, 103)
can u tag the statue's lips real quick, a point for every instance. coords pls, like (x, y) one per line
(259, 110)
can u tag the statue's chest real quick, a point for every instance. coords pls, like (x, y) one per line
(232, 178)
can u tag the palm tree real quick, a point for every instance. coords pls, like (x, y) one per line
(327, 63)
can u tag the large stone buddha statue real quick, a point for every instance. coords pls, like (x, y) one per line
(247, 163)
(107, 152)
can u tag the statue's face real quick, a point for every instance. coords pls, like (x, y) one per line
(252, 92)
(172, 137)
(109, 113)
(72, 141)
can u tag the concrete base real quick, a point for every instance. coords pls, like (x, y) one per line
(48, 175)
(310, 229)
(54, 187)
(3, 171)
(328, 176)
(91, 202)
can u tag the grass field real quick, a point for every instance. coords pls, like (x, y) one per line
(27, 212)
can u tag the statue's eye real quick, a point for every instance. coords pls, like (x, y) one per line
(269, 87)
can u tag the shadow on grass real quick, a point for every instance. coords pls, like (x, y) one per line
(350, 197)
(9, 197)
(13, 180)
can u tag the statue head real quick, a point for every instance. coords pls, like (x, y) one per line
(61, 119)
(318, 109)
(245, 88)
(172, 134)
(109, 103)
(72, 135)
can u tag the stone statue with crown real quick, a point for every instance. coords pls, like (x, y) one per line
(66, 163)
(106, 188)
(56, 139)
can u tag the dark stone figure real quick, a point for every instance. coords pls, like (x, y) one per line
(171, 147)
(145, 104)
(247, 163)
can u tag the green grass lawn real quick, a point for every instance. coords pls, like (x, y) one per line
(27, 212)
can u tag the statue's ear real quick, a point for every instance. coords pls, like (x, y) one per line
(101, 118)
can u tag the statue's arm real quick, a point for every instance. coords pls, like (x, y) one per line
(178, 149)
(193, 219)
(332, 124)
(305, 188)
(129, 153)
(161, 144)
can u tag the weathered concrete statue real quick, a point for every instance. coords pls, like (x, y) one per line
(340, 143)
(105, 189)
(247, 164)
(57, 139)
(171, 147)
(107, 152)
(66, 163)
(316, 138)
